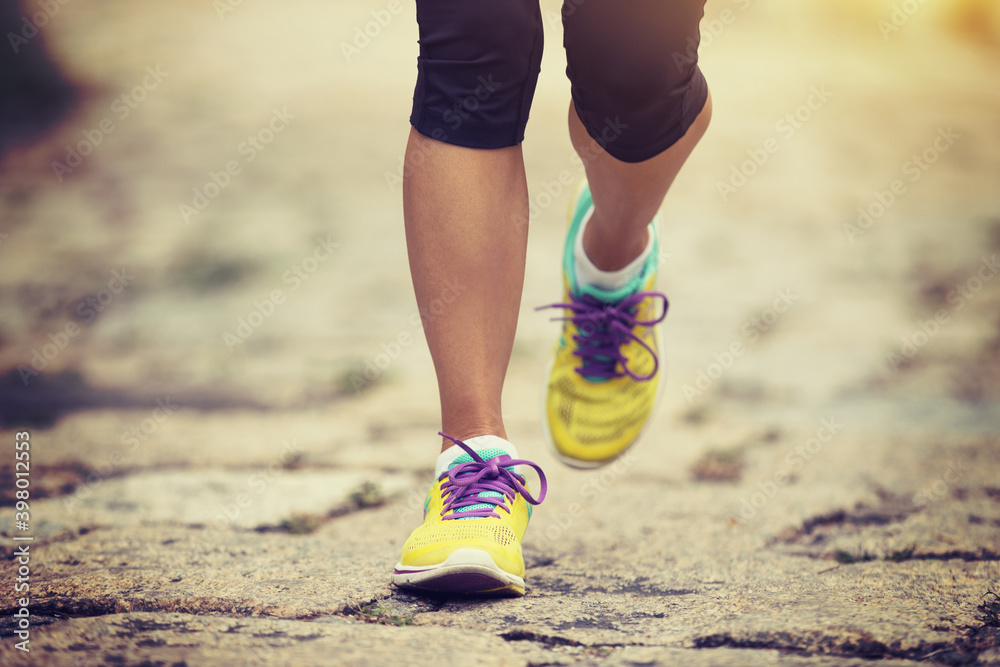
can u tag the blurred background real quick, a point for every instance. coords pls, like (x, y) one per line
(200, 202)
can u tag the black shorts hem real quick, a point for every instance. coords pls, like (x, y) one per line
(466, 134)
(692, 103)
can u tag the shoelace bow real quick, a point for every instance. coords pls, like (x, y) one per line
(602, 329)
(467, 480)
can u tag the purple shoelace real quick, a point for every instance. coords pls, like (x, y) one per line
(467, 480)
(602, 329)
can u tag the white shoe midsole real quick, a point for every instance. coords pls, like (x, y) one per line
(460, 561)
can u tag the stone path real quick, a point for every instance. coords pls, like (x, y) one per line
(206, 326)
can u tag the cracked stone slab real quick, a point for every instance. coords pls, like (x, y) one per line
(177, 639)
(134, 565)
(642, 656)
(356, 432)
(888, 609)
(172, 568)
(218, 499)
(945, 530)
(650, 579)
(655, 579)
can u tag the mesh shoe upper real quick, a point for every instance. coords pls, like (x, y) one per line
(606, 374)
(480, 502)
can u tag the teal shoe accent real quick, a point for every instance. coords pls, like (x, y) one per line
(584, 203)
(487, 454)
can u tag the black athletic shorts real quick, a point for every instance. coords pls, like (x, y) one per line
(633, 66)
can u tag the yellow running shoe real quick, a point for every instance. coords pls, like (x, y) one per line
(603, 382)
(475, 516)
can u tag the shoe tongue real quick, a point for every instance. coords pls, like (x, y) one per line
(486, 446)
(616, 295)
(610, 297)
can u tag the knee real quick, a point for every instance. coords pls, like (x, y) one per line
(633, 81)
(477, 70)
(633, 62)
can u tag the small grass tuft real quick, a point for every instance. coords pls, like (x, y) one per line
(368, 494)
(846, 557)
(382, 616)
(301, 524)
(902, 554)
(989, 610)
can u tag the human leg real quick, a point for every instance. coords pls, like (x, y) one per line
(640, 104)
(458, 205)
(628, 194)
(464, 184)
(464, 197)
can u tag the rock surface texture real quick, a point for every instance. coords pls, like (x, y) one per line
(207, 328)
